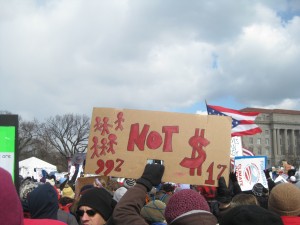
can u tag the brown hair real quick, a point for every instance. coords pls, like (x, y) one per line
(243, 199)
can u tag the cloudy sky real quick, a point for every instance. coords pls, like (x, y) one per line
(68, 56)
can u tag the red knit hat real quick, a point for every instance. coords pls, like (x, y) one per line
(184, 201)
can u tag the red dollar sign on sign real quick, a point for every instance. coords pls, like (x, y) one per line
(197, 142)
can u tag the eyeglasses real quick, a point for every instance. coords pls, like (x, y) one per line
(89, 212)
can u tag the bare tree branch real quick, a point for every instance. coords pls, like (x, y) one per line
(68, 134)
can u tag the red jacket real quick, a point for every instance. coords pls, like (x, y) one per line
(290, 220)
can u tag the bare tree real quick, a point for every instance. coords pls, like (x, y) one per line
(28, 134)
(68, 134)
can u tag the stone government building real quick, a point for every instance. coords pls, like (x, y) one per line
(280, 137)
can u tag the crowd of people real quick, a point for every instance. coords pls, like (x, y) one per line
(148, 201)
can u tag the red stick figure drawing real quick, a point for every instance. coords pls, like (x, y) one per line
(105, 126)
(119, 121)
(112, 141)
(98, 125)
(103, 146)
(197, 142)
(95, 147)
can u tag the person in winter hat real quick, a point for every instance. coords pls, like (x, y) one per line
(43, 204)
(250, 215)
(129, 207)
(153, 212)
(262, 194)
(68, 192)
(96, 206)
(118, 194)
(189, 207)
(10, 206)
(26, 186)
(284, 200)
(165, 192)
(129, 183)
(292, 179)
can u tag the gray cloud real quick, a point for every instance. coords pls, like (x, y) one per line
(60, 56)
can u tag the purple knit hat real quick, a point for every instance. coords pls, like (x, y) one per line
(184, 201)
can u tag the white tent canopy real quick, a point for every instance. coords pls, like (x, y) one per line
(33, 167)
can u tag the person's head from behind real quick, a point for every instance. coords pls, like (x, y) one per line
(95, 206)
(285, 200)
(43, 202)
(168, 188)
(248, 215)
(154, 211)
(10, 206)
(243, 199)
(188, 203)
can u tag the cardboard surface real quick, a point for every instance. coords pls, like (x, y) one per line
(82, 181)
(195, 149)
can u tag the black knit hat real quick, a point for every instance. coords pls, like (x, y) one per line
(249, 215)
(259, 190)
(100, 200)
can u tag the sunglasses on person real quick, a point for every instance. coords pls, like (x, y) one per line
(89, 212)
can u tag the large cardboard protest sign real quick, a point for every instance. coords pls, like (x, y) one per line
(250, 170)
(194, 148)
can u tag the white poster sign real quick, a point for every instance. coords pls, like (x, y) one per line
(250, 170)
(236, 147)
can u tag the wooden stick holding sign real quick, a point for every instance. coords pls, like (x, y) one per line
(195, 149)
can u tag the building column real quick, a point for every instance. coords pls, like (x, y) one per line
(278, 142)
(274, 143)
(293, 147)
(286, 146)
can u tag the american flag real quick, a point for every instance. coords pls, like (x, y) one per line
(246, 152)
(242, 122)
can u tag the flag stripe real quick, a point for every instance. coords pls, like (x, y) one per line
(243, 127)
(247, 152)
(236, 112)
(249, 132)
(240, 117)
(242, 122)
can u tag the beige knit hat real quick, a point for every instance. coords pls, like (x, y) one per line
(68, 192)
(285, 200)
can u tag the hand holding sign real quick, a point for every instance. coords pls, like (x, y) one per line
(152, 175)
(224, 193)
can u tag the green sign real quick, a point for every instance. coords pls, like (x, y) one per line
(7, 148)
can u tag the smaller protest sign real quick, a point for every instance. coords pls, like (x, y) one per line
(250, 170)
(7, 148)
(236, 147)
